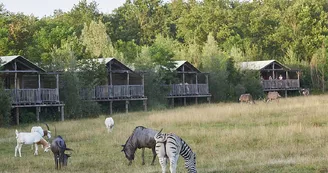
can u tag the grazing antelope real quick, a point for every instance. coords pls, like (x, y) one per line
(30, 138)
(246, 98)
(109, 122)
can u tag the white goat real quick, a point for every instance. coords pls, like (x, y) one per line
(41, 132)
(109, 122)
(30, 138)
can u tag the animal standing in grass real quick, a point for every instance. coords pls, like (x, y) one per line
(109, 122)
(305, 91)
(247, 98)
(58, 148)
(170, 146)
(273, 96)
(33, 138)
(42, 132)
(141, 138)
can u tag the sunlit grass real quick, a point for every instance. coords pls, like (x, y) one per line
(286, 136)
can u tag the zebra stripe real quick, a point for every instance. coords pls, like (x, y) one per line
(170, 146)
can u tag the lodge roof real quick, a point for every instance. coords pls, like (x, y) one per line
(259, 65)
(23, 61)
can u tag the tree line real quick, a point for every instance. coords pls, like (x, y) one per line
(211, 34)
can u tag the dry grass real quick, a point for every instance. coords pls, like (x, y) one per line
(289, 136)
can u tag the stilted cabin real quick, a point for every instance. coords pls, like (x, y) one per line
(124, 84)
(192, 83)
(29, 85)
(274, 76)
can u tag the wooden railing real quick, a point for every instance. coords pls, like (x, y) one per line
(188, 89)
(113, 91)
(280, 84)
(33, 96)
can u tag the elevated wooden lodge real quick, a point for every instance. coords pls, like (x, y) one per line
(274, 76)
(124, 84)
(29, 85)
(192, 83)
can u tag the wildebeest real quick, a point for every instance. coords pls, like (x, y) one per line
(273, 95)
(246, 98)
(58, 147)
(141, 137)
(305, 91)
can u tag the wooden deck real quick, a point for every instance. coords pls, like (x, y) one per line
(34, 96)
(114, 92)
(188, 90)
(276, 84)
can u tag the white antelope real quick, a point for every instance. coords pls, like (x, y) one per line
(30, 138)
(42, 132)
(109, 122)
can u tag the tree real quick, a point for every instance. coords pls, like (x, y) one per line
(96, 40)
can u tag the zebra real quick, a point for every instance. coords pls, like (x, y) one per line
(170, 146)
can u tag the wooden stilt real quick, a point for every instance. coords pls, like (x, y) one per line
(209, 99)
(286, 93)
(17, 116)
(185, 101)
(62, 113)
(145, 105)
(172, 102)
(196, 100)
(111, 107)
(38, 114)
(127, 106)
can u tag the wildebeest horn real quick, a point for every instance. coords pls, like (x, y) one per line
(47, 126)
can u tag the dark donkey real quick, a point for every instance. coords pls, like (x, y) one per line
(58, 147)
(141, 138)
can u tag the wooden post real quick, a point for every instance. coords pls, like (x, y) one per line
(298, 79)
(207, 83)
(62, 113)
(285, 93)
(128, 83)
(196, 100)
(127, 106)
(197, 92)
(183, 80)
(38, 110)
(185, 101)
(145, 105)
(110, 107)
(143, 84)
(209, 99)
(57, 87)
(273, 75)
(17, 116)
(39, 89)
(16, 95)
(110, 73)
(172, 102)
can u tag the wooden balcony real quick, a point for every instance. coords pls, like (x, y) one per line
(33, 96)
(117, 92)
(188, 90)
(276, 84)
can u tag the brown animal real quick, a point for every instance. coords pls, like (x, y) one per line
(273, 96)
(246, 98)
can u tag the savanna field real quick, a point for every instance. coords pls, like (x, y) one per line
(286, 136)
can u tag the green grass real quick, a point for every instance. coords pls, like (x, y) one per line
(286, 136)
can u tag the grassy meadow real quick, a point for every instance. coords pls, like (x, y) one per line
(286, 136)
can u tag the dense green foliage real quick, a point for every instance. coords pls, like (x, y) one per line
(211, 34)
